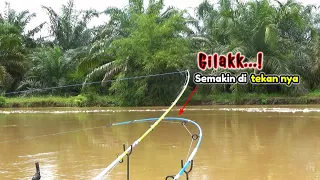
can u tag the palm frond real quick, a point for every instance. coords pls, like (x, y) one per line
(108, 69)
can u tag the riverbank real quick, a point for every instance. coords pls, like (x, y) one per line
(256, 99)
(58, 101)
(106, 101)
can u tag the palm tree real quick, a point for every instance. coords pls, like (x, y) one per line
(217, 24)
(299, 36)
(69, 30)
(20, 20)
(219, 33)
(138, 41)
(12, 57)
(277, 31)
(51, 67)
(122, 23)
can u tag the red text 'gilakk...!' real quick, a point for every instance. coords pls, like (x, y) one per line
(229, 61)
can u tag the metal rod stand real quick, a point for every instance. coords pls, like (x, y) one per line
(37, 175)
(128, 160)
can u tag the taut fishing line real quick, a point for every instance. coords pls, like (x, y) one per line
(89, 83)
(53, 134)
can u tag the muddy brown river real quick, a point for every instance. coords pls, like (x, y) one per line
(239, 143)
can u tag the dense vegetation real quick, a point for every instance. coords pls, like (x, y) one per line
(139, 40)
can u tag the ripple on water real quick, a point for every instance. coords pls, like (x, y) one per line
(260, 109)
(76, 111)
(280, 110)
(38, 155)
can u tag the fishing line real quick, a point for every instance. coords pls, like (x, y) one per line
(96, 82)
(189, 149)
(184, 125)
(54, 134)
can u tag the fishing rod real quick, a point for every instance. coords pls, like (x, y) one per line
(128, 150)
(194, 137)
(189, 158)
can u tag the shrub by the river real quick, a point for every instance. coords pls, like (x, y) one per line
(2, 101)
(81, 100)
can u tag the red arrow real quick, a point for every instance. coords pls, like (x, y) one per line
(182, 109)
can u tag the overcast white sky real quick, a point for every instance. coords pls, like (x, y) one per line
(100, 5)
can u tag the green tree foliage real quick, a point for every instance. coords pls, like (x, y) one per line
(138, 40)
(281, 32)
(20, 20)
(162, 48)
(50, 67)
(69, 30)
(12, 57)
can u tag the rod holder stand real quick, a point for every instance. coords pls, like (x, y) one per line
(37, 175)
(128, 160)
(185, 171)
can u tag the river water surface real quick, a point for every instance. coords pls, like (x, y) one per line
(239, 143)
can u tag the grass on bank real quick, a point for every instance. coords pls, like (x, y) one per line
(58, 101)
(314, 94)
(107, 101)
(256, 98)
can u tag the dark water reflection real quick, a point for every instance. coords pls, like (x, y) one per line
(236, 144)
